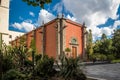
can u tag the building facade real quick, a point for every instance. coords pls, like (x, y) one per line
(4, 23)
(55, 36)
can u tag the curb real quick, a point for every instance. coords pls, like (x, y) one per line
(96, 63)
(96, 78)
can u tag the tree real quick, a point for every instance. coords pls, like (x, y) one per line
(104, 37)
(103, 46)
(35, 3)
(96, 47)
(116, 42)
(106, 45)
(89, 44)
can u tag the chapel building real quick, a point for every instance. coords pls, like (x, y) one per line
(54, 37)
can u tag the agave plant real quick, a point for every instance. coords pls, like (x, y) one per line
(70, 68)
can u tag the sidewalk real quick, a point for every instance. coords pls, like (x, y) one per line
(95, 78)
(95, 63)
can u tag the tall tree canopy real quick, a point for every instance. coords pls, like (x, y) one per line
(116, 42)
(103, 37)
(89, 44)
(35, 3)
(103, 46)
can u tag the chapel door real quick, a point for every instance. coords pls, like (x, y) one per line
(74, 52)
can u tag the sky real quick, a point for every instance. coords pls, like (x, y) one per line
(101, 16)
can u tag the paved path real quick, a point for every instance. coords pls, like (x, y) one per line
(104, 71)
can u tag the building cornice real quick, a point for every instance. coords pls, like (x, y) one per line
(74, 23)
(4, 7)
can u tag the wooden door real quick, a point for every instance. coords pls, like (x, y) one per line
(74, 52)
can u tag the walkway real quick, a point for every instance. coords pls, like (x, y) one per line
(104, 71)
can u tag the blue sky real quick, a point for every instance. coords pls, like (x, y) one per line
(101, 16)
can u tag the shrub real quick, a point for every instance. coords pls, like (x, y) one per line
(110, 57)
(44, 67)
(13, 75)
(70, 69)
(98, 57)
(7, 63)
(67, 50)
(38, 57)
(116, 61)
(103, 57)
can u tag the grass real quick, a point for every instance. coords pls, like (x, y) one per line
(116, 61)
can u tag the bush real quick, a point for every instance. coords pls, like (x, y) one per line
(98, 57)
(44, 67)
(103, 57)
(110, 57)
(38, 57)
(13, 75)
(70, 69)
(7, 63)
(116, 61)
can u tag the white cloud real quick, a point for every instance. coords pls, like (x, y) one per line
(71, 18)
(32, 14)
(58, 7)
(94, 13)
(44, 16)
(116, 23)
(23, 26)
(113, 8)
(108, 30)
(28, 21)
(28, 25)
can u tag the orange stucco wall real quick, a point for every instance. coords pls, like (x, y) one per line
(73, 31)
(39, 40)
(51, 40)
(29, 38)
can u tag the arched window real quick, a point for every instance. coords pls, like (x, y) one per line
(73, 41)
